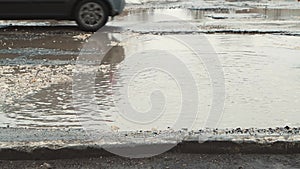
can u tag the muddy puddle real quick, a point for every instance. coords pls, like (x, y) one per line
(167, 82)
(203, 14)
(179, 20)
(261, 81)
(273, 14)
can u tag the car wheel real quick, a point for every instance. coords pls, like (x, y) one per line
(91, 15)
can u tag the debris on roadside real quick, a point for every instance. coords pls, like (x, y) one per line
(19, 81)
(82, 37)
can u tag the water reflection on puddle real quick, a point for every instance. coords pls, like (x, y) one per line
(215, 13)
(274, 14)
(54, 106)
(261, 78)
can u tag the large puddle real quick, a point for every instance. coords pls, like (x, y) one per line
(262, 82)
(221, 13)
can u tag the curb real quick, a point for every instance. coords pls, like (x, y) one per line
(32, 144)
(190, 147)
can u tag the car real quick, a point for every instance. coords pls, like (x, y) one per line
(90, 15)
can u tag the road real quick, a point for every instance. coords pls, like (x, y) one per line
(166, 161)
(178, 65)
(39, 59)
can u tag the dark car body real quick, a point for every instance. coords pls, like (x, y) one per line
(49, 9)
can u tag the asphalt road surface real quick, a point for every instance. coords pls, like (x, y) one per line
(238, 161)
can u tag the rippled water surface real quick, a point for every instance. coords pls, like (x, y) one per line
(45, 84)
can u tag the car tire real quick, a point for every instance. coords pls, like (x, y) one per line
(91, 15)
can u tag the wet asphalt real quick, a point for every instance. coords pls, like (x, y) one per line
(238, 161)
